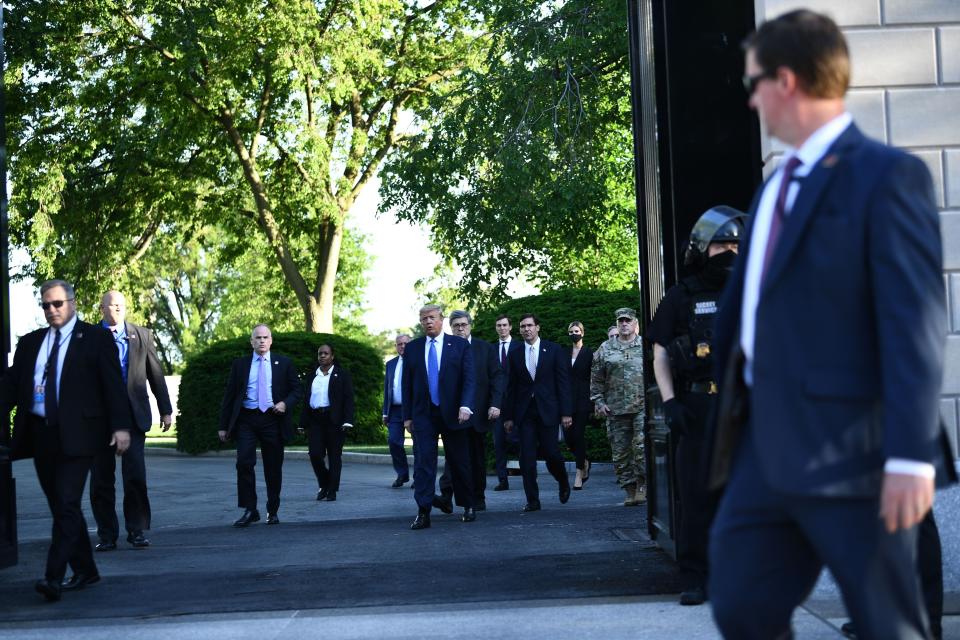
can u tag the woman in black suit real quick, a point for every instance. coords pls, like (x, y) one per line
(327, 416)
(581, 357)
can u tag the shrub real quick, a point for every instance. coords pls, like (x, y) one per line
(205, 378)
(555, 310)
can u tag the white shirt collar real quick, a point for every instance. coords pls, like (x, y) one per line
(257, 355)
(66, 329)
(816, 146)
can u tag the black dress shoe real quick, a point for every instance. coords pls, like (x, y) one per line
(322, 494)
(250, 515)
(469, 515)
(105, 546)
(848, 630)
(137, 539)
(531, 506)
(422, 521)
(79, 581)
(503, 485)
(693, 596)
(443, 503)
(400, 481)
(480, 505)
(564, 494)
(49, 589)
(272, 518)
(331, 496)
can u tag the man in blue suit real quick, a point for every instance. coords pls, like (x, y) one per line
(832, 327)
(393, 412)
(539, 402)
(438, 388)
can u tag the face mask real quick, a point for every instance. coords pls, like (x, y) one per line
(719, 267)
(575, 337)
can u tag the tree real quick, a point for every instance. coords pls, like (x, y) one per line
(528, 167)
(130, 120)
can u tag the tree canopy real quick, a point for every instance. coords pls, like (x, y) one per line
(219, 130)
(526, 167)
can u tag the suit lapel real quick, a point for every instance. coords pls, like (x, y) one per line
(804, 208)
(77, 340)
(133, 349)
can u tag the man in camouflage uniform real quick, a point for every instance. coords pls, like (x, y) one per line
(616, 388)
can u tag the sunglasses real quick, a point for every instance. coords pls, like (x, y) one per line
(56, 304)
(750, 82)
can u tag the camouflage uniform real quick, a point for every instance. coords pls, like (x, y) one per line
(616, 380)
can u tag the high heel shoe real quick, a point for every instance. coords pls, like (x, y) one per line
(578, 481)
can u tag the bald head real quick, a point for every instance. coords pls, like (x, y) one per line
(113, 308)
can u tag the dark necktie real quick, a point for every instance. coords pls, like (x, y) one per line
(779, 213)
(503, 353)
(50, 391)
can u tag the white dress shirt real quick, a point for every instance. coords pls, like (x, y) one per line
(320, 389)
(532, 357)
(398, 379)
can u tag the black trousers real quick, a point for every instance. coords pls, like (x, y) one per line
(253, 428)
(575, 438)
(537, 437)
(697, 505)
(62, 479)
(767, 549)
(103, 494)
(325, 440)
(930, 566)
(478, 469)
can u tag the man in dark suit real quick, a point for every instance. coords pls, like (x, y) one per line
(539, 403)
(487, 400)
(438, 388)
(259, 393)
(66, 386)
(393, 412)
(138, 365)
(501, 439)
(834, 320)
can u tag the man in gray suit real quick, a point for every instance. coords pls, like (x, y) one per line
(139, 365)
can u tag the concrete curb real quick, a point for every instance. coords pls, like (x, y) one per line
(357, 458)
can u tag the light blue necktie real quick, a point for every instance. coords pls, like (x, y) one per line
(263, 397)
(433, 373)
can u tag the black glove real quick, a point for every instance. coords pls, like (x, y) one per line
(675, 415)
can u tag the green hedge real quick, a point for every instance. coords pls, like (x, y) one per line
(205, 377)
(555, 310)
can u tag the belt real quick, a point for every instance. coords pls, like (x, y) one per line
(708, 386)
(320, 410)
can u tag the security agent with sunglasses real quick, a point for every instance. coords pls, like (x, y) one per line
(66, 385)
(829, 343)
(682, 336)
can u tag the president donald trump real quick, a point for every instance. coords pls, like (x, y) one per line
(438, 388)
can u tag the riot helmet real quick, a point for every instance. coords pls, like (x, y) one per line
(717, 224)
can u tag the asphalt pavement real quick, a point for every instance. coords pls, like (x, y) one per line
(353, 568)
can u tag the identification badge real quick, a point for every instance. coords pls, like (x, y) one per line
(38, 394)
(703, 350)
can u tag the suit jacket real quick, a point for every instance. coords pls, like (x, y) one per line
(143, 366)
(580, 379)
(850, 327)
(490, 386)
(388, 384)
(456, 384)
(92, 402)
(286, 388)
(550, 390)
(341, 398)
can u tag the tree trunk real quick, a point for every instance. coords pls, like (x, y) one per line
(319, 307)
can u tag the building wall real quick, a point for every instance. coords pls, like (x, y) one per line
(906, 92)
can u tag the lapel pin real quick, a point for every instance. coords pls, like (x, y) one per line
(79, 335)
(830, 160)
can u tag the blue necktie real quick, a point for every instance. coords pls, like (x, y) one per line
(433, 373)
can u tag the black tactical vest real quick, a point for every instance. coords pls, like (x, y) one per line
(691, 354)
